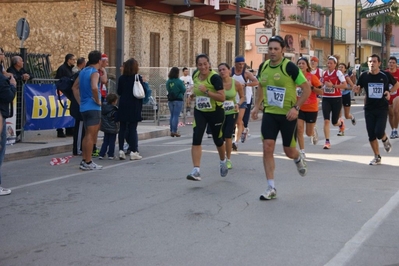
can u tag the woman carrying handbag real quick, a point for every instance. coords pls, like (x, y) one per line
(130, 107)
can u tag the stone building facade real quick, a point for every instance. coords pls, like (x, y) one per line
(79, 26)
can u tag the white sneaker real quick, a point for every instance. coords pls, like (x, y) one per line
(90, 166)
(135, 156)
(301, 166)
(122, 155)
(110, 158)
(315, 138)
(4, 191)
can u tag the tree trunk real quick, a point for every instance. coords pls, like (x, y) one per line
(270, 15)
(388, 36)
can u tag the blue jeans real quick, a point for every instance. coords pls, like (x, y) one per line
(3, 142)
(175, 109)
(108, 142)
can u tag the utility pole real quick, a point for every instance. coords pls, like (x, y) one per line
(237, 27)
(332, 27)
(120, 36)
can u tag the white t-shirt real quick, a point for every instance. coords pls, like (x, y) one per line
(188, 82)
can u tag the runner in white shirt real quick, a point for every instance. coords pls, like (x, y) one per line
(248, 80)
(188, 82)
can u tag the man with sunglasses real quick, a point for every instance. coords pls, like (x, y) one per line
(278, 79)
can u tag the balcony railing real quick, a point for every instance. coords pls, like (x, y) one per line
(250, 4)
(372, 35)
(302, 15)
(325, 33)
(375, 36)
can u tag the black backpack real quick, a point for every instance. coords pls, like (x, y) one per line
(64, 86)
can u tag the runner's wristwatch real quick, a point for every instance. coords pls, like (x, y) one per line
(296, 107)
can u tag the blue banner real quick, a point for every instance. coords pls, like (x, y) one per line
(44, 110)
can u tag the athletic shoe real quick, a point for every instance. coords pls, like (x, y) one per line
(223, 169)
(393, 135)
(135, 156)
(341, 128)
(396, 134)
(387, 145)
(100, 157)
(234, 147)
(4, 191)
(301, 166)
(122, 155)
(244, 135)
(229, 165)
(90, 166)
(111, 158)
(315, 138)
(327, 145)
(209, 136)
(194, 175)
(270, 193)
(248, 135)
(375, 161)
(353, 120)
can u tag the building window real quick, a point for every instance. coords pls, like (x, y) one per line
(155, 39)
(229, 52)
(110, 45)
(205, 46)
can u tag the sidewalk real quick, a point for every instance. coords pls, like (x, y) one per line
(45, 142)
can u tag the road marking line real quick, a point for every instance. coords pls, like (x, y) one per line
(368, 229)
(87, 172)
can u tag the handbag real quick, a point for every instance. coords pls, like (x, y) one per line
(138, 90)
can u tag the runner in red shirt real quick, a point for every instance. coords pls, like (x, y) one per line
(334, 81)
(393, 111)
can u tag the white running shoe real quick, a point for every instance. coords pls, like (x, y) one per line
(122, 155)
(4, 191)
(315, 138)
(270, 193)
(375, 161)
(135, 156)
(387, 145)
(194, 175)
(301, 166)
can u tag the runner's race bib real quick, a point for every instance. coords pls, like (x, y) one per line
(228, 105)
(376, 90)
(275, 96)
(329, 90)
(203, 103)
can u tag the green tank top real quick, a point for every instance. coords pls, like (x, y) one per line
(229, 104)
(205, 103)
(279, 90)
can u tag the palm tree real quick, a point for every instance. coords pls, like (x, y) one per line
(388, 20)
(271, 14)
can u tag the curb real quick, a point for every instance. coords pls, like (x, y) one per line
(64, 148)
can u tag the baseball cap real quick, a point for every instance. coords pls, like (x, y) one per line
(104, 57)
(314, 58)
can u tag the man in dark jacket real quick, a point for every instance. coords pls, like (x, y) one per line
(21, 76)
(65, 70)
(7, 94)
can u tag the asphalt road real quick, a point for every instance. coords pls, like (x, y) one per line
(344, 212)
